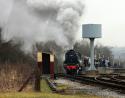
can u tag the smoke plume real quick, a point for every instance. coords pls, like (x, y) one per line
(34, 21)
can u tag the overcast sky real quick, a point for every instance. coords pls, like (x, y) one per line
(111, 14)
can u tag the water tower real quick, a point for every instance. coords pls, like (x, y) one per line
(91, 31)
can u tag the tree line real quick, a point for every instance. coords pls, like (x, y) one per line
(11, 52)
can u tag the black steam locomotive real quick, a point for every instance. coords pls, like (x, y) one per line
(72, 62)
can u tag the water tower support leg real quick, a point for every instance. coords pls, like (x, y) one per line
(92, 66)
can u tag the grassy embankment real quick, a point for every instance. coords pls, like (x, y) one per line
(45, 93)
(42, 95)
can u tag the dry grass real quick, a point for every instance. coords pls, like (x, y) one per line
(42, 95)
(12, 76)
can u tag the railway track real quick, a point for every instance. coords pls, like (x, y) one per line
(113, 83)
(119, 78)
(103, 81)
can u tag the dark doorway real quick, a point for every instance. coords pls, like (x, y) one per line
(46, 63)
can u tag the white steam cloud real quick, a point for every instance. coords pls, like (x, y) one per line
(34, 21)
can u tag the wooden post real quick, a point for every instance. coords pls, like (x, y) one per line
(39, 61)
(51, 66)
(38, 71)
